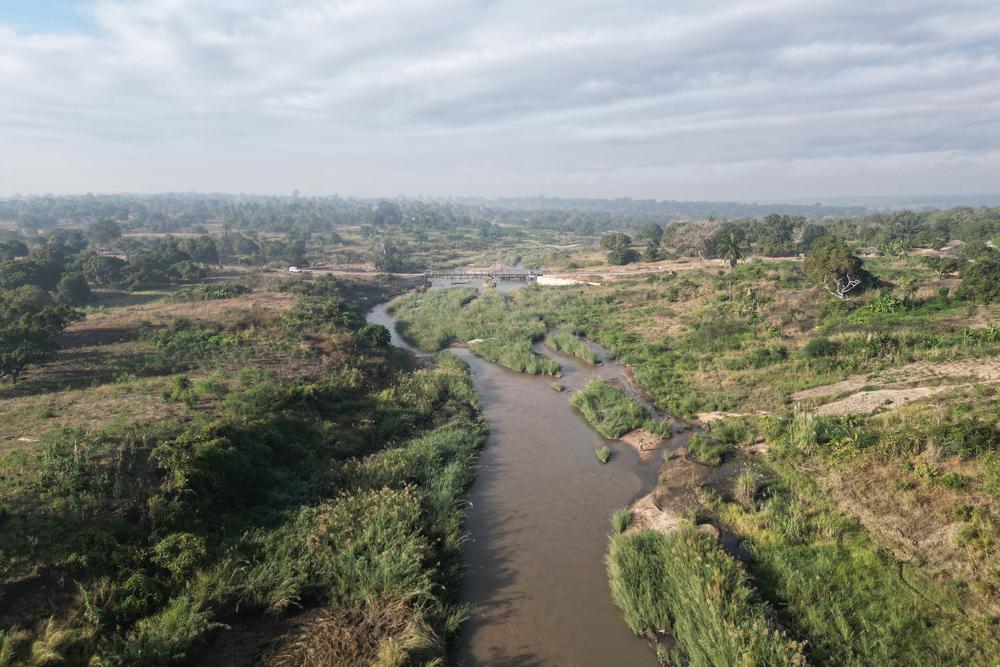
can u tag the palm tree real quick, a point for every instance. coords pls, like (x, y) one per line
(731, 249)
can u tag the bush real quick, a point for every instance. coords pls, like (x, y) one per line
(183, 341)
(981, 279)
(820, 347)
(758, 358)
(705, 450)
(603, 453)
(211, 292)
(375, 335)
(732, 431)
(180, 554)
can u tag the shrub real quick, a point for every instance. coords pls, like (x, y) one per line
(375, 335)
(705, 450)
(180, 554)
(183, 340)
(732, 431)
(758, 358)
(820, 347)
(981, 279)
(211, 292)
(603, 453)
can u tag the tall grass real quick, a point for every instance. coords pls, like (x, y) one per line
(683, 584)
(570, 344)
(515, 354)
(706, 450)
(611, 412)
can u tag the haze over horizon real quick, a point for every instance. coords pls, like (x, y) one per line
(765, 101)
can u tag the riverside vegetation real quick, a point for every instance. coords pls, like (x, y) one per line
(268, 469)
(213, 464)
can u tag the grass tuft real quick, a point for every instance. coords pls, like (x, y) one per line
(611, 412)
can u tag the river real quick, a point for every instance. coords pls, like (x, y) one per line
(538, 524)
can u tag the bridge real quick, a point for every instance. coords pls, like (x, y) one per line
(484, 275)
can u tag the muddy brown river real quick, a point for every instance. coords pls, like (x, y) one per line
(538, 524)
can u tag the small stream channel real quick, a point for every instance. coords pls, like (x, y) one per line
(539, 520)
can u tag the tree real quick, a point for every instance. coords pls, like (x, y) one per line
(29, 322)
(732, 249)
(652, 252)
(104, 232)
(619, 247)
(375, 335)
(812, 233)
(101, 270)
(774, 235)
(981, 279)
(73, 290)
(652, 232)
(386, 213)
(943, 265)
(386, 259)
(622, 254)
(614, 240)
(832, 266)
(12, 249)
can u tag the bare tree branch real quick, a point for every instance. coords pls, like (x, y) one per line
(840, 287)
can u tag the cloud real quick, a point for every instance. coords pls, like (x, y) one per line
(767, 99)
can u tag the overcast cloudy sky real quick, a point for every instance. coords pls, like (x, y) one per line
(761, 100)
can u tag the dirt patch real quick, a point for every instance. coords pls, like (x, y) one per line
(122, 319)
(677, 493)
(869, 401)
(646, 515)
(644, 442)
(709, 417)
(899, 386)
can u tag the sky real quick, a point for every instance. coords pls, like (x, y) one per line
(765, 100)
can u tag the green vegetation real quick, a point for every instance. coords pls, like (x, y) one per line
(335, 487)
(621, 520)
(610, 411)
(211, 291)
(215, 444)
(570, 344)
(495, 328)
(707, 450)
(603, 453)
(684, 585)
(30, 320)
(981, 279)
(515, 354)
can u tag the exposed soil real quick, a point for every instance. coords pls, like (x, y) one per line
(644, 442)
(899, 386)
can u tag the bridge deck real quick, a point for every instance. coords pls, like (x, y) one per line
(492, 275)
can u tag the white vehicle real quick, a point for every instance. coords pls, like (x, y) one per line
(294, 269)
